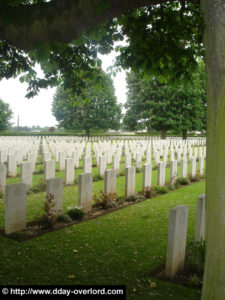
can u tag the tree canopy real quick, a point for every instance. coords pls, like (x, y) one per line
(98, 111)
(5, 115)
(64, 36)
(154, 104)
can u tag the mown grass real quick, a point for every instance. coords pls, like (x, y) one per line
(122, 247)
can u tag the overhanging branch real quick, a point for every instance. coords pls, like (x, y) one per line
(61, 20)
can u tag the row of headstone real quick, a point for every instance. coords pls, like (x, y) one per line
(49, 170)
(85, 185)
(159, 148)
(73, 139)
(25, 177)
(15, 212)
(14, 160)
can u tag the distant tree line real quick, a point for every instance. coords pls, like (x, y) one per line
(153, 104)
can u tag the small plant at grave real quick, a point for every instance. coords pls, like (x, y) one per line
(97, 177)
(121, 173)
(104, 200)
(120, 201)
(50, 214)
(1, 195)
(195, 281)
(176, 185)
(76, 212)
(202, 176)
(40, 170)
(168, 165)
(40, 187)
(131, 198)
(182, 181)
(161, 189)
(147, 192)
(138, 170)
(64, 218)
(195, 178)
(172, 187)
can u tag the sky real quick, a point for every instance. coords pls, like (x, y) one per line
(37, 110)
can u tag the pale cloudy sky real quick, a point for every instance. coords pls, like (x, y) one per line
(37, 111)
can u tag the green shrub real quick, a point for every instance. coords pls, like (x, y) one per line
(195, 281)
(64, 218)
(161, 189)
(121, 201)
(97, 177)
(40, 187)
(195, 178)
(131, 199)
(76, 213)
(183, 181)
(121, 173)
(172, 187)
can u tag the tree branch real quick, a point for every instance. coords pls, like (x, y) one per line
(62, 20)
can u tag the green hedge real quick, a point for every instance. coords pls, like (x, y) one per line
(93, 134)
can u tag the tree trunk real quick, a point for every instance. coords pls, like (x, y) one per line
(163, 135)
(184, 133)
(214, 41)
(87, 131)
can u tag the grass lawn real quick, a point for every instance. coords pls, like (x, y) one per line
(122, 247)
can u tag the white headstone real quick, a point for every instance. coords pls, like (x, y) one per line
(49, 169)
(85, 186)
(177, 236)
(200, 219)
(173, 171)
(110, 182)
(201, 165)
(27, 173)
(12, 165)
(130, 181)
(147, 176)
(87, 167)
(62, 160)
(127, 160)
(2, 177)
(102, 166)
(69, 171)
(15, 207)
(193, 166)
(161, 173)
(183, 167)
(54, 191)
